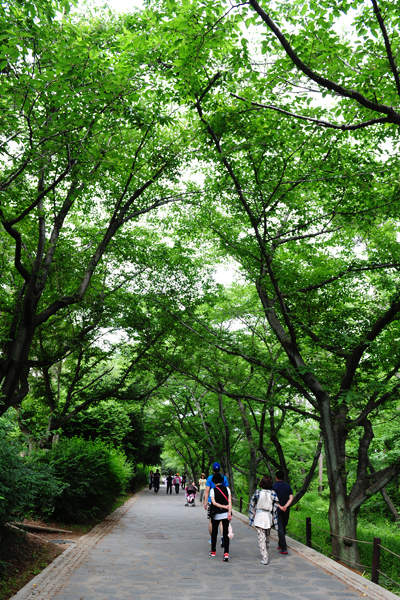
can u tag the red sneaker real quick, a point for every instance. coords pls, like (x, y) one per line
(226, 557)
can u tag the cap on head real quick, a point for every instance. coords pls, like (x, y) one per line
(216, 466)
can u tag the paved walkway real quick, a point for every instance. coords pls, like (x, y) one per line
(159, 549)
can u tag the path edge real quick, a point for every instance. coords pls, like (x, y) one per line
(52, 578)
(369, 589)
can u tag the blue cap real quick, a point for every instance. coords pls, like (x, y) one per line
(216, 466)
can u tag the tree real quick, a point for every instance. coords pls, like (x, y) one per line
(90, 143)
(311, 219)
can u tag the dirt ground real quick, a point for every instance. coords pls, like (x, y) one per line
(21, 558)
(56, 537)
(24, 555)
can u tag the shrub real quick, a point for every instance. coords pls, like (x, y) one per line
(24, 485)
(95, 473)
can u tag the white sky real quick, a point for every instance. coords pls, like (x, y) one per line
(121, 5)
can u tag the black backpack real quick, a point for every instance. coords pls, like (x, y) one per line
(220, 496)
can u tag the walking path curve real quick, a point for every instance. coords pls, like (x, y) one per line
(154, 547)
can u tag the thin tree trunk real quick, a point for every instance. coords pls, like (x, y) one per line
(320, 473)
(252, 450)
(229, 469)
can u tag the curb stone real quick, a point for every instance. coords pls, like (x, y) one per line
(367, 588)
(52, 578)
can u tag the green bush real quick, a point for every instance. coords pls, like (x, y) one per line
(141, 477)
(24, 485)
(95, 473)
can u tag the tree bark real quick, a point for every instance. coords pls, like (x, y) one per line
(228, 464)
(252, 450)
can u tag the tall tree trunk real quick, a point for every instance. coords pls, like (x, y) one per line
(278, 447)
(320, 472)
(228, 464)
(342, 517)
(252, 450)
(343, 525)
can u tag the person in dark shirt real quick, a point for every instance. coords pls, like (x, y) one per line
(169, 483)
(285, 497)
(156, 479)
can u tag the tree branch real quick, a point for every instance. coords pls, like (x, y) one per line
(393, 116)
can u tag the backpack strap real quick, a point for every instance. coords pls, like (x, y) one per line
(223, 494)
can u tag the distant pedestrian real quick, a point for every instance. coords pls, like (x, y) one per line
(177, 482)
(202, 486)
(156, 480)
(220, 512)
(184, 478)
(169, 482)
(150, 480)
(263, 515)
(285, 496)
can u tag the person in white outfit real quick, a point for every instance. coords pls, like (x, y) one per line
(263, 515)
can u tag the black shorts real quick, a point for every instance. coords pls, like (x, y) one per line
(208, 510)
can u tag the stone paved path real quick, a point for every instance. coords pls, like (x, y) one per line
(159, 550)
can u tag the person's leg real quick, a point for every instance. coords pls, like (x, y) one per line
(281, 533)
(209, 520)
(285, 520)
(214, 533)
(225, 526)
(262, 544)
(201, 495)
(267, 540)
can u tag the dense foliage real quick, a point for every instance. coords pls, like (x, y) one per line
(141, 151)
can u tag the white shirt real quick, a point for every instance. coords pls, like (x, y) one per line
(263, 516)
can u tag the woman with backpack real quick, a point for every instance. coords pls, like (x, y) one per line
(263, 515)
(220, 512)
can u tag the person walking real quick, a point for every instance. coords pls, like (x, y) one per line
(150, 480)
(177, 483)
(156, 481)
(184, 478)
(202, 486)
(207, 499)
(285, 496)
(263, 514)
(220, 512)
(169, 483)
